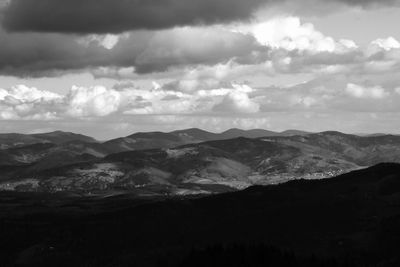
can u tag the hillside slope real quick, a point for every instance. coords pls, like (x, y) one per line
(153, 140)
(353, 218)
(195, 168)
(58, 137)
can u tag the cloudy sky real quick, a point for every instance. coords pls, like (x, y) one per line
(108, 68)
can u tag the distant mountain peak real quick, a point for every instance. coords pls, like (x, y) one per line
(62, 137)
(292, 132)
(334, 133)
(233, 130)
(190, 130)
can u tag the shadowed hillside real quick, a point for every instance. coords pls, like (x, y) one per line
(351, 220)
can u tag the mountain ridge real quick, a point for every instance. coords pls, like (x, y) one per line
(200, 167)
(9, 140)
(145, 140)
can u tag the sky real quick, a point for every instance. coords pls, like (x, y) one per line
(108, 68)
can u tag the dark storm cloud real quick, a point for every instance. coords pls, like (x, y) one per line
(47, 54)
(115, 16)
(35, 54)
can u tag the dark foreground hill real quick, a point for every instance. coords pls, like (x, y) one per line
(350, 220)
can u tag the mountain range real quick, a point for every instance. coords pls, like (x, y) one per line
(183, 162)
(151, 140)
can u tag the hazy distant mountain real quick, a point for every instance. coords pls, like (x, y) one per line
(201, 135)
(196, 135)
(293, 132)
(141, 141)
(376, 134)
(153, 140)
(58, 137)
(255, 133)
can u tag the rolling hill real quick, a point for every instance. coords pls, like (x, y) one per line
(197, 168)
(153, 140)
(58, 137)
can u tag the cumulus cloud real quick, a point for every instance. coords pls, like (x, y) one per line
(128, 106)
(105, 40)
(22, 102)
(238, 101)
(278, 45)
(290, 34)
(365, 92)
(289, 46)
(198, 68)
(304, 101)
(329, 94)
(387, 44)
(93, 101)
(195, 77)
(128, 99)
(27, 94)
